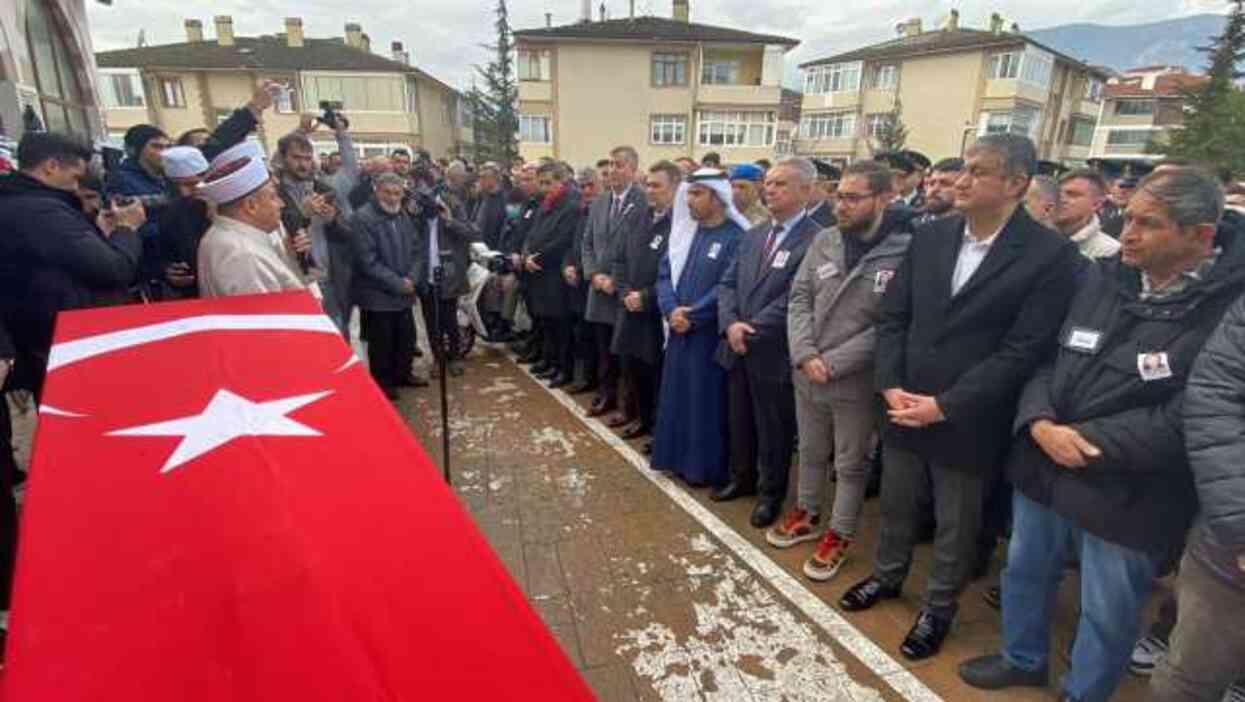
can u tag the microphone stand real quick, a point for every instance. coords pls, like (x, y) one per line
(439, 350)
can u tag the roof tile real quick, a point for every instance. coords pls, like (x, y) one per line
(649, 28)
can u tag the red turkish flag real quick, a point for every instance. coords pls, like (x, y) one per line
(223, 506)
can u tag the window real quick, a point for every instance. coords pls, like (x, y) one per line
(720, 72)
(1022, 120)
(535, 65)
(121, 90)
(1005, 65)
(885, 77)
(284, 101)
(668, 129)
(1082, 133)
(1037, 67)
(377, 93)
(55, 73)
(737, 128)
(834, 78)
(171, 93)
(1128, 137)
(1134, 107)
(834, 125)
(535, 129)
(1093, 90)
(879, 126)
(669, 70)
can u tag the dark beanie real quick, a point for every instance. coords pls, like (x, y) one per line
(136, 137)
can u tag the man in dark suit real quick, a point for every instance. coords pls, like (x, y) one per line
(970, 314)
(615, 216)
(752, 314)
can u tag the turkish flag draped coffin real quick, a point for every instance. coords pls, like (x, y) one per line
(224, 507)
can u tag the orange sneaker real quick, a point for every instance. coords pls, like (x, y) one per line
(797, 526)
(830, 555)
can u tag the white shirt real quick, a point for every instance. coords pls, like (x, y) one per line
(787, 226)
(238, 259)
(972, 253)
(1093, 243)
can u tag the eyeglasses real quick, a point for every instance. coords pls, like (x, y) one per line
(853, 198)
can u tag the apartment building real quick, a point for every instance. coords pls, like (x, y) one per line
(47, 64)
(199, 82)
(947, 86)
(1141, 107)
(667, 86)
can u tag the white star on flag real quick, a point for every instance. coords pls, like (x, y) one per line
(227, 417)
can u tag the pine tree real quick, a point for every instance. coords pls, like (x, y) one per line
(892, 135)
(495, 106)
(1214, 126)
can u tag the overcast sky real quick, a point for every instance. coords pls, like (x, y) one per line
(445, 36)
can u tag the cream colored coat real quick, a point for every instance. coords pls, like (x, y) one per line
(238, 259)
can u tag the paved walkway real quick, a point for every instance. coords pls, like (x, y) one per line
(658, 594)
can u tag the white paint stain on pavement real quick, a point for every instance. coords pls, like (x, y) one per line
(744, 643)
(552, 436)
(499, 385)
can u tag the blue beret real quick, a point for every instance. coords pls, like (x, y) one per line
(747, 171)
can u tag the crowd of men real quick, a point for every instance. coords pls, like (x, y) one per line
(1058, 363)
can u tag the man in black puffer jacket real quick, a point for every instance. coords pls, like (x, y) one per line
(1099, 456)
(1208, 644)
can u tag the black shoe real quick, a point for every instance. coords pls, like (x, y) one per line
(647, 449)
(549, 374)
(529, 357)
(560, 380)
(866, 593)
(413, 381)
(601, 406)
(732, 491)
(995, 673)
(582, 388)
(765, 513)
(994, 597)
(926, 636)
(539, 368)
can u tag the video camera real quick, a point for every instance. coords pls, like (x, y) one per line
(330, 114)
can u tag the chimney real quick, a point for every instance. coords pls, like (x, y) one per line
(354, 35)
(632, 9)
(224, 30)
(194, 31)
(682, 13)
(549, 20)
(367, 43)
(602, 12)
(910, 28)
(294, 32)
(996, 23)
(953, 21)
(399, 54)
(585, 11)
(1015, 28)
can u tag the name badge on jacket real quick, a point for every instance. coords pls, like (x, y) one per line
(780, 259)
(655, 243)
(881, 279)
(826, 270)
(1084, 340)
(1153, 365)
(714, 249)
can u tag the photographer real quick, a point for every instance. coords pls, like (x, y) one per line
(447, 241)
(311, 205)
(141, 176)
(52, 257)
(389, 259)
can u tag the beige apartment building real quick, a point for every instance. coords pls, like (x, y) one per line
(1140, 109)
(667, 86)
(47, 64)
(949, 85)
(199, 82)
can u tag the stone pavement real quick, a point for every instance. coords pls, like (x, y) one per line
(656, 593)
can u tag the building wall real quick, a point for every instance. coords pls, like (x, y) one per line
(941, 96)
(437, 135)
(17, 76)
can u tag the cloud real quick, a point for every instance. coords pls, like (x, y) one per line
(446, 38)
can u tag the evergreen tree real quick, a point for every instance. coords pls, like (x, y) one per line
(1214, 126)
(892, 134)
(495, 106)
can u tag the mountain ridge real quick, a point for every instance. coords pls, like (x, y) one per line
(1166, 42)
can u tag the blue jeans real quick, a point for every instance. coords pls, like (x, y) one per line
(1115, 582)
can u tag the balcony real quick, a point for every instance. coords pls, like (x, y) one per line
(535, 91)
(759, 95)
(826, 101)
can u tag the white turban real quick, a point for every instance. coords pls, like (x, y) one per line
(243, 149)
(183, 162)
(235, 180)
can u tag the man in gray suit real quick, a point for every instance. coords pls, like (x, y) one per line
(615, 215)
(752, 316)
